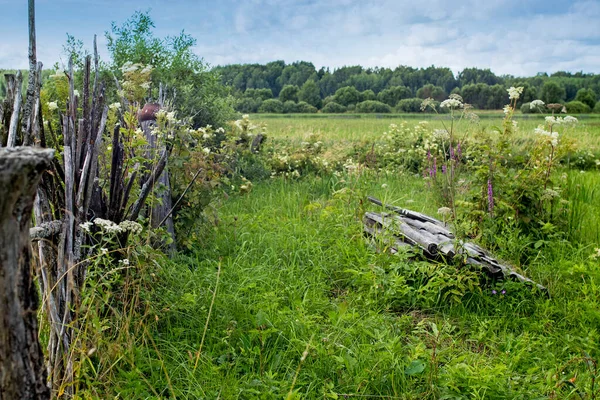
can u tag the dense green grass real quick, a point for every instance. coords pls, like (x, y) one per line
(297, 275)
(284, 298)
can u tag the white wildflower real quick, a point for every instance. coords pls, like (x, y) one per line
(514, 92)
(569, 120)
(206, 150)
(86, 226)
(536, 104)
(451, 103)
(507, 109)
(551, 120)
(515, 124)
(124, 261)
(107, 226)
(206, 136)
(444, 211)
(554, 141)
(52, 106)
(147, 69)
(115, 106)
(441, 134)
(104, 251)
(131, 226)
(171, 116)
(76, 93)
(384, 186)
(145, 85)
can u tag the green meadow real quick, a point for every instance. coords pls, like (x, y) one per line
(285, 298)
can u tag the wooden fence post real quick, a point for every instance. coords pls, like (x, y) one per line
(22, 370)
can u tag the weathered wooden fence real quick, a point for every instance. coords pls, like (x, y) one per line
(68, 196)
(22, 370)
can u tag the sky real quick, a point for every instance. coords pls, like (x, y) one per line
(517, 37)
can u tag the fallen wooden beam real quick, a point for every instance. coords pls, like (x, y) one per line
(435, 239)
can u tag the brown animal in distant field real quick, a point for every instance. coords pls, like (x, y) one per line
(148, 113)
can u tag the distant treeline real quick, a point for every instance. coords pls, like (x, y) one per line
(299, 87)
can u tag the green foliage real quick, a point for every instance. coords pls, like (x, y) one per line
(482, 96)
(373, 106)
(289, 93)
(247, 105)
(586, 96)
(597, 108)
(367, 95)
(346, 96)
(577, 107)
(199, 92)
(393, 95)
(305, 108)
(334, 108)
(259, 94)
(553, 92)
(310, 93)
(271, 106)
(431, 91)
(409, 105)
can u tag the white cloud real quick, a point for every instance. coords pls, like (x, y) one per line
(508, 36)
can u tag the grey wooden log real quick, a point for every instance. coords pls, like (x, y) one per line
(435, 240)
(22, 372)
(14, 119)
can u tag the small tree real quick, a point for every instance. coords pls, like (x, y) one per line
(311, 94)
(289, 93)
(586, 96)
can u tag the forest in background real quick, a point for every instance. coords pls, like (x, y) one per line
(278, 87)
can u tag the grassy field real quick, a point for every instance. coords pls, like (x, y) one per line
(286, 299)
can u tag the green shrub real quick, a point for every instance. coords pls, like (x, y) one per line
(409, 105)
(373, 106)
(305, 108)
(248, 105)
(290, 107)
(334, 108)
(597, 108)
(271, 106)
(577, 107)
(586, 96)
(526, 108)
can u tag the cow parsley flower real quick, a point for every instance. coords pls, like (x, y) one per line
(514, 92)
(115, 106)
(569, 120)
(86, 226)
(444, 211)
(507, 109)
(451, 103)
(536, 104)
(107, 226)
(131, 226)
(52, 106)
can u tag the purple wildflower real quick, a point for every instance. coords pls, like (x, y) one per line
(494, 292)
(434, 166)
(451, 151)
(428, 155)
(503, 291)
(443, 169)
(490, 196)
(458, 152)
